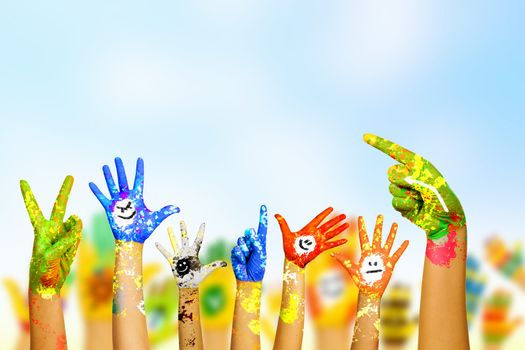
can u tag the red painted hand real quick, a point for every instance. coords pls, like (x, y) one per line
(303, 246)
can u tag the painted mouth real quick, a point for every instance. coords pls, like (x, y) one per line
(374, 271)
(303, 247)
(127, 217)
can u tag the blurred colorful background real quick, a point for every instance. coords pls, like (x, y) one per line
(237, 103)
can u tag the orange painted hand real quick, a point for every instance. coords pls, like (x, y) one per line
(373, 272)
(303, 246)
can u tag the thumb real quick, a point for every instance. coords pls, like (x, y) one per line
(59, 249)
(207, 269)
(73, 225)
(160, 215)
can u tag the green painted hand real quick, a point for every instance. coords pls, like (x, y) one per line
(55, 242)
(420, 192)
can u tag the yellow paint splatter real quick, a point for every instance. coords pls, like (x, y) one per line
(290, 313)
(252, 303)
(255, 327)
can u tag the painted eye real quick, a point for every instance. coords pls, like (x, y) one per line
(375, 263)
(369, 263)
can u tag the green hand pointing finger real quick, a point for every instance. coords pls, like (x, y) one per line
(55, 242)
(420, 193)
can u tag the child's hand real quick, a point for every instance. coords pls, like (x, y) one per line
(373, 272)
(185, 263)
(55, 241)
(303, 246)
(128, 216)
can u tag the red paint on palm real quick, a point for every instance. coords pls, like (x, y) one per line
(303, 246)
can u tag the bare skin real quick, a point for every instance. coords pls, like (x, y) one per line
(246, 332)
(422, 195)
(291, 319)
(47, 322)
(366, 329)
(444, 289)
(190, 333)
(371, 275)
(129, 321)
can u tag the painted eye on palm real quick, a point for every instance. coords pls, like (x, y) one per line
(124, 212)
(304, 244)
(372, 269)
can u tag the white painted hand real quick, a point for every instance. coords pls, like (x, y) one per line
(185, 263)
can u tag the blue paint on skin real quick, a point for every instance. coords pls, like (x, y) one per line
(128, 216)
(249, 255)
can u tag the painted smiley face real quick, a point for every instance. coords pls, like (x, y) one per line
(182, 267)
(330, 287)
(124, 212)
(372, 269)
(304, 244)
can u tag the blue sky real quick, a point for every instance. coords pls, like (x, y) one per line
(236, 103)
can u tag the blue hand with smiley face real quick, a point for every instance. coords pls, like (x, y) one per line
(128, 216)
(249, 255)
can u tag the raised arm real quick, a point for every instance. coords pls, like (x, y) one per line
(189, 272)
(300, 248)
(421, 194)
(371, 275)
(249, 264)
(54, 248)
(131, 223)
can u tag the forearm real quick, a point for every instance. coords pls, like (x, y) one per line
(129, 320)
(443, 288)
(246, 319)
(190, 334)
(47, 330)
(291, 318)
(366, 328)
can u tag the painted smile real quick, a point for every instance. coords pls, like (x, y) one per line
(374, 271)
(302, 243)
(128, 217)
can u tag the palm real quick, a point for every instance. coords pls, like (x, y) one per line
(55, 242)
(185, 264)
(374, 270)
(303, 246)
(127, 214)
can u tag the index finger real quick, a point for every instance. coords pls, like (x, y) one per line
(263, 223)
(390, 148)
(320, 217)
(35, 214)
(59, 209)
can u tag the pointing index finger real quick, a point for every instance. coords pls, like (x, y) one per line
(390, 148)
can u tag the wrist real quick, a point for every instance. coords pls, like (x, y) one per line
(442, 251)
(249, 295)
(189, 305)
(128, 252)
